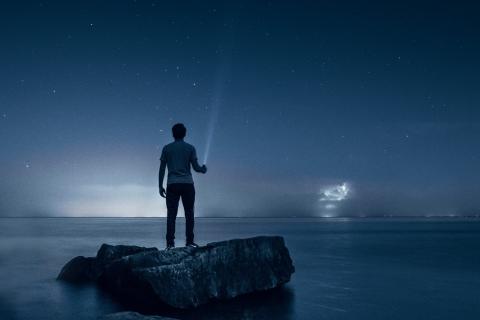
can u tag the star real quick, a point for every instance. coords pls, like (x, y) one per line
(54, 91)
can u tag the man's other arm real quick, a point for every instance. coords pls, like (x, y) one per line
(161, 173)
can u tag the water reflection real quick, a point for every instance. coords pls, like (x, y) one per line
(272, 304)
(6, 310)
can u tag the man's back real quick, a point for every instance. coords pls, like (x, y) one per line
(179, 155)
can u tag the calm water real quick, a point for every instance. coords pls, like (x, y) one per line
(345, 269)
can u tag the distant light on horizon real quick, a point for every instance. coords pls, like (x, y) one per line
(128, 200)
(335, 192)
(330, 196)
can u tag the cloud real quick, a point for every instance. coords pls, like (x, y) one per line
(335, 192)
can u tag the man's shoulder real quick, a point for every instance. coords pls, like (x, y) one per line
(176, 144)
(188, 145)
(185, 145)
(166, 147)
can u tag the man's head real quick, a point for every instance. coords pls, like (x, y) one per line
(179, 131)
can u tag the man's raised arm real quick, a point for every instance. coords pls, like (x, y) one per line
(195, 165)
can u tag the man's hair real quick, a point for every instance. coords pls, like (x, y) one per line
(179, 131)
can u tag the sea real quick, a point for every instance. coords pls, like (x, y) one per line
(358, 268)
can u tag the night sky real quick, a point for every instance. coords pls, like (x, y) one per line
(315, 108)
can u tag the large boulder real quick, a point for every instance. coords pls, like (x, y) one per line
(80, 269)
(84, 269)
(188, 277)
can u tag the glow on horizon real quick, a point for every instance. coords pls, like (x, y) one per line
(129, 200)
(330, 196)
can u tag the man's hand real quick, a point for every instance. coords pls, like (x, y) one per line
(162, 192)
(204, 169)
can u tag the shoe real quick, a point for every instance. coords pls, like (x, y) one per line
(192, 245)
(170, 247)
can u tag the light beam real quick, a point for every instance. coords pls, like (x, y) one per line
(217, 100)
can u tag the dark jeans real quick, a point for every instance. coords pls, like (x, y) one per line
(187, 192)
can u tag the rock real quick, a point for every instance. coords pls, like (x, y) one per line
(108, 253)
(82, 269)
(189, 277)
(128, 315)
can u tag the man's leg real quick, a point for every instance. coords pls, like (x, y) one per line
(188, 200)
(173, 196)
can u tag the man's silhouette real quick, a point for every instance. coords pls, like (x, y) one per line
(177, 157)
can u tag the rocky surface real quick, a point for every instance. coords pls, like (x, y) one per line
(186, 277)
(84, 269)
(128, 315)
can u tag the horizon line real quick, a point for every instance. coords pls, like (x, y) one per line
(245, 217)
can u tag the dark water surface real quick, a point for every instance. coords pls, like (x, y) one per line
(345, 268)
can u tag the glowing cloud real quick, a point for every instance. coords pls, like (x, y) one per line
(335, 193)
(331, 196)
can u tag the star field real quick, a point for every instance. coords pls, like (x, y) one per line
(308, 96)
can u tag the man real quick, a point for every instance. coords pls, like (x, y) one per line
(177, 157)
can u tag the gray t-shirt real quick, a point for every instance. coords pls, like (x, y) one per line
(179, 155)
